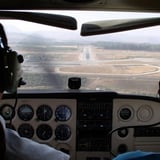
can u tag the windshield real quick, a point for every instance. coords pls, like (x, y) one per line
(126, 62)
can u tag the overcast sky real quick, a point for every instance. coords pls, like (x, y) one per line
(145, 35)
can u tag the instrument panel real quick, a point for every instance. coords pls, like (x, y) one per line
(86, 125)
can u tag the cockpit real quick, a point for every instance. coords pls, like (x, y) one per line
(90, 77)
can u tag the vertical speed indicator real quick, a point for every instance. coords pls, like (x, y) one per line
(63, 113)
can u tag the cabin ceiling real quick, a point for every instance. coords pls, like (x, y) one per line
(101, 5)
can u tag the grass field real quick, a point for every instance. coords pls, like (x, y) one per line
(123, 71)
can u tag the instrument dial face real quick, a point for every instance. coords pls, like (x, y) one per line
(63, 113)
(26, 130)
(125, 113)
(63, 132)
(7, 112)
(25, 112)
(44, 112)
(44, 132)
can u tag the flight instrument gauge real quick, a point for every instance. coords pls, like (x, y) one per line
(44, 112)
(44, 132)
(25, 112)
(7, 112)
(63, 132)
(26, 130)
(63, 113)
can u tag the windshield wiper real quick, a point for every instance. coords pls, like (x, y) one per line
(111, 26)
(55, 20)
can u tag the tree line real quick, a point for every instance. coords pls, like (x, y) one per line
(128, 46)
